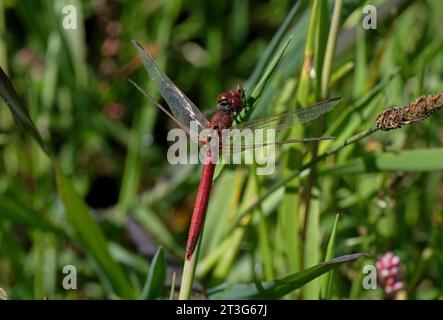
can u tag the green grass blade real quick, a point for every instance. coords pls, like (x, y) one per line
(223, 200)
(418, 160)
(155, 281)
(189, 268)
(326, 280)
(361, 65)
(19, 112)
(73, 39)
(87, 231)
(157, 228)
(49, 88)
(228, 258)
(312, 247)
(330, 49)
(127, 258)
(264, 235)
(89, 234)
(44, 266)
(304, 86)
(290, 220)
(265, 247)
(321, 42)
(258, 89)
(18, 213)
(278, 288)
(274, 44)
(143, 125)
(171, 294)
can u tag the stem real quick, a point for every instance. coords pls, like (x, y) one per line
(303, 95)
(330, 48)
(303, 87)
(189, 272)
(323, 91)
(171, 295)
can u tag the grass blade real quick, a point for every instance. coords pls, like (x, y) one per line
(171, 294)
(89, 234)
(258, 89)
(86, 230)
(281, 287)
(155, 281)
(308, 59)
(188, 276)
(19, 213)
(326, 281)
(418, 160)
(274, 44)
(19, 112)
(312, 247)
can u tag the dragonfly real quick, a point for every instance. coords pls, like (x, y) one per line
(229, 104)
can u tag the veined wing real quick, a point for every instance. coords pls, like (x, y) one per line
(158, 105)
(183, 109)
(233, 147)
(289, 119)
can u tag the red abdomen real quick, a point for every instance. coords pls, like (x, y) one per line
(201, 203)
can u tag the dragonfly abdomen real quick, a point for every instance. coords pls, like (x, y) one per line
(201, 203)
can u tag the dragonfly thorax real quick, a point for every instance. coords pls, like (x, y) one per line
(229, 104)
(222, 120)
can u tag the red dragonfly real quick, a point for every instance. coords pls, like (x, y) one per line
(229, 104)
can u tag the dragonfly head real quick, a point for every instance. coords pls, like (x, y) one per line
(232, 101)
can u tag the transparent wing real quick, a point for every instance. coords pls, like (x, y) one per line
(182, 108)
(233, 147)
(289, 119)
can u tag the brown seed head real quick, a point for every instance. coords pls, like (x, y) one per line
(419, 110)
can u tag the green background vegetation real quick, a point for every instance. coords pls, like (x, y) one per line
(106, 197)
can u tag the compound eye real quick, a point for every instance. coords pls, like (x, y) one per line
(223, 103)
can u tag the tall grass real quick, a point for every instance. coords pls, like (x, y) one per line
(115, 199)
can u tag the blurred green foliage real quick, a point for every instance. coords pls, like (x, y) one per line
(109, 145)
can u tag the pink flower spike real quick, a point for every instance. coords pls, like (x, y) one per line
(384, 273)
(395, 271)
(398, 286)
(379, 265)
(395, 261)
(390, 281)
